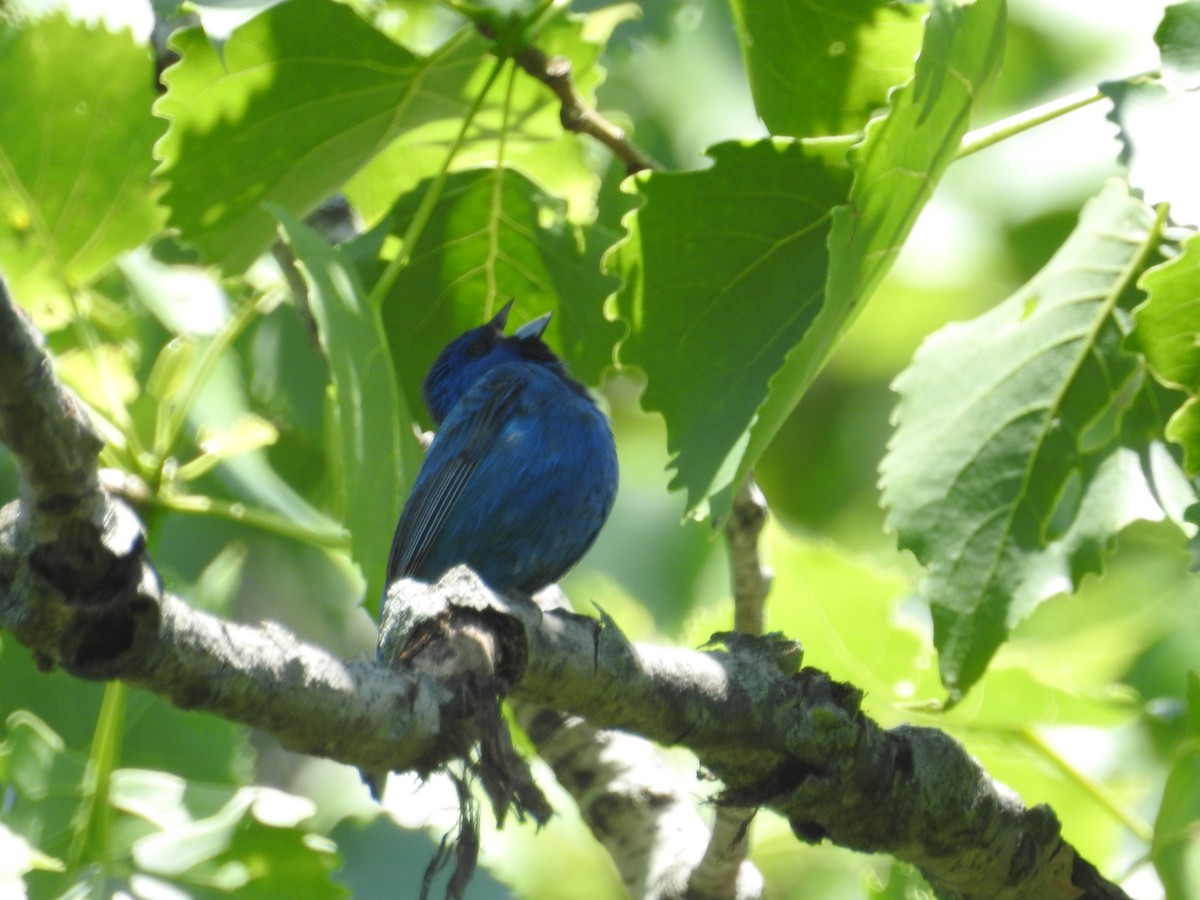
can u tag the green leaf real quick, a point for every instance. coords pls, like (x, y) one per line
(904, 153)
(298, 99)
(492, 236)
(41, 782)
(1022, 444)
(1176, 848)
(378, 457)
(1184, 430)
(855, 627)
(530, 135)
(1192, 722)
(1178, 39)
(170, 369)
(897, 166)
(1167, 330)
(28, 753)
(847, 620)
(724, 270)
(250, 477)
(1167, 333)
(75, 153)
(157, 734)
(17, 857)
(733, 301)
(247, 433)
(187, 300)
(102, 375)
(824, 67)
(255, 845)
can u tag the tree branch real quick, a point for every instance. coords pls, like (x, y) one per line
(77, 586)
(635, 805)
(730, 842)
(751, 577)
(575, 114)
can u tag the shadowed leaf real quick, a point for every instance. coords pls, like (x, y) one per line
(1023, 440)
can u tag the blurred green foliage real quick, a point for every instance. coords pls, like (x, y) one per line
(762, 293)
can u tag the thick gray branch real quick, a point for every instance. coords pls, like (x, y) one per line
(636, 806)
(77, 587)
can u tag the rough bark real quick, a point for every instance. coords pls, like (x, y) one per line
(78, 587)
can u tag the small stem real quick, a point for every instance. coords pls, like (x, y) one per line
(333, 539)
(751, 577)
(575, 114)
(497, 199)
(94, 828)
(169, 425)
(717, 872)
(981, 138)
(421, 217)
(1098, 792)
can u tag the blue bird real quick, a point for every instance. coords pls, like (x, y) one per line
(522, 473)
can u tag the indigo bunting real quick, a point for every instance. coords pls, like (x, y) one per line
(522, 472)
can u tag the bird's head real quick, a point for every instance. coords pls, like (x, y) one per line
(471, 355)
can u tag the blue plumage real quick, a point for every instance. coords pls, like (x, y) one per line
(522, 473)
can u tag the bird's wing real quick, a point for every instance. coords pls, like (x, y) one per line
(467, 434)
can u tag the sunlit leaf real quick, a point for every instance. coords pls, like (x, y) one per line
(41, 782)
(17, 857)
(170, 368)
(1178, 39)
(733, 299)
(378, 456)
(295, 102)
(819, 68)
(188, 301)
(1184, 429)
(255, 845)
(896, 168)
(1167, 332)
(102, 375)
(247, 433)
(1156, 117)
(529, 137)
(75, 153)
(1022, 440)
(1167, 328)
(857, 623)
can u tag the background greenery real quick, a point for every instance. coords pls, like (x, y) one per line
(138, 240)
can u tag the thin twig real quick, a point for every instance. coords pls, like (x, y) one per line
(750, 576)
(751, 582)
(576, 115)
